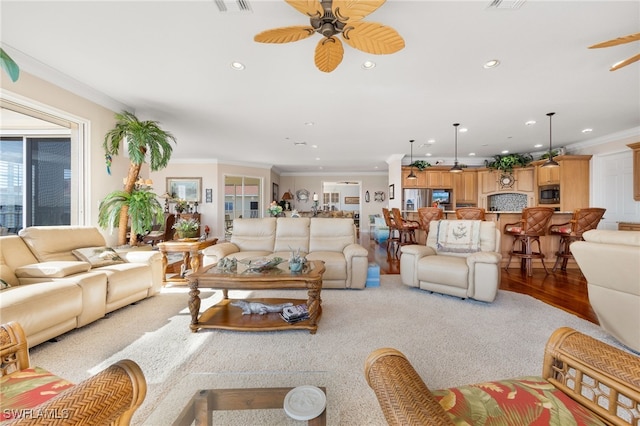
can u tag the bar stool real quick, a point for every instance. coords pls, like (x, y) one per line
(406, 228)
(531, 227)
(426, 215)
(392, 240)
(582, 221)
(470, 213)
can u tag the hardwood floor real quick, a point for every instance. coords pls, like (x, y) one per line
(566, 290)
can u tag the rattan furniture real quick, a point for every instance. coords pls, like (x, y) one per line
(582, 221)
(393, 241)
(470, 213)
(224, 316)
(526, 232)
(34, 396)
(594, 381)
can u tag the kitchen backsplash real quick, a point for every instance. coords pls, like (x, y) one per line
(507, 202)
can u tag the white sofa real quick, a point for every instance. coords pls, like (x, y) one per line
(51, 291)
(332, 240)
(610, 261)
(463, 274)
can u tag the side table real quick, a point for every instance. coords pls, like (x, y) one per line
(190, 256)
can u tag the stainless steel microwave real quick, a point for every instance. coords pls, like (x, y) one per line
(549, 194)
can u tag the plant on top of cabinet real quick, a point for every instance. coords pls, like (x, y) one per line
(506, 163)
(420, 164)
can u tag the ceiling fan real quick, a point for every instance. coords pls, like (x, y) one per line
(616, 42)
(332, 17)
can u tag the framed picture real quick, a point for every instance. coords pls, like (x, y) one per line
(187, 189)
(392, 190)
(352, 200)
(208, 195)
(275, 191)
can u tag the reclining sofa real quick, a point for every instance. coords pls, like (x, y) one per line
(48, 290)
(447, 265)
(610, 261)
(332, 240)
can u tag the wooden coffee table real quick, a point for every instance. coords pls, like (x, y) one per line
(190, 255)
(224, 316)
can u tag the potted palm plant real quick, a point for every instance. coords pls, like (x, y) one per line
(144, 138)
(143, 208)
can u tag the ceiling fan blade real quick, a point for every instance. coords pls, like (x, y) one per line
(354, 10)
(625, 62)
(372, 37)
(307, 7)
(329, 52)
(284, 34)
(617, 41)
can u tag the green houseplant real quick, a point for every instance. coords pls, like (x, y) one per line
(187, 228)
(9, 66)
(143, 208)
(506, 163)
(145, 140)
(420, 164)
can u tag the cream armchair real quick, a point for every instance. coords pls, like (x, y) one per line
(444, 266)
(610, 262)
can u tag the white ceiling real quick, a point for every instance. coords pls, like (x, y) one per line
(170, 61)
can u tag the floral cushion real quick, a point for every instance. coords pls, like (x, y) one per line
(521, 401)
(26, 389)
(98, 256)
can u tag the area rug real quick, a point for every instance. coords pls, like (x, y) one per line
(449, 341)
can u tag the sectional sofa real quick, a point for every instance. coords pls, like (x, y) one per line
(57, 278)
(332, 240)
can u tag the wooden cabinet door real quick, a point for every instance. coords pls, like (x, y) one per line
(420, 182)
(525, 181)
(466, 187)
(439, 179)
(487, 182)
(548, 175)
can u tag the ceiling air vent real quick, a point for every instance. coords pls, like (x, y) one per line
(506, 4)
(225, 6)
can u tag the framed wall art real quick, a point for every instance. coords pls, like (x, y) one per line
(392, 190)
(187, 189)
(275, 191)
(352, 200)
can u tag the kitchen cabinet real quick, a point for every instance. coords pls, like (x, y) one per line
(636, 170)
(420, 182)
(548, 175)
(521, 180)
(525, 179)
(573, 180)
(439, 179)
(465, 187)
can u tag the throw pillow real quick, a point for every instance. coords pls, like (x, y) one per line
(4, 284)
(98, 256)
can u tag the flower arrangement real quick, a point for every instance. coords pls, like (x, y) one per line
(181, 205)
(186, 228)
(274, 209)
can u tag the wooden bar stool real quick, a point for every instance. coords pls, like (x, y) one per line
(582, 221)
(394, 234)
(532, 226)
(426, 215)
(470, 213)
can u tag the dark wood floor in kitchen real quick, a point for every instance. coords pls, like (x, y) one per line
(566, 290)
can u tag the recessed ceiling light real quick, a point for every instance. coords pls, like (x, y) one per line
(472, 154)
(463, 130)
(428, 154)
(314, 146)
(492, 63)
(300, 144)
(538, 145)
(506, 151)
(367, 65)
(317, 158)
(309, 123)
(530, 122)
(238, 66)
(587, 130)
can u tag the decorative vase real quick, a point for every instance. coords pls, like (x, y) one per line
(296, 266)
(187, 234)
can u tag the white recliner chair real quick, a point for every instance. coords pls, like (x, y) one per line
(457, 260)
(610, 261)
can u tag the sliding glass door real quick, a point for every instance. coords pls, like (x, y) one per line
(242, 197)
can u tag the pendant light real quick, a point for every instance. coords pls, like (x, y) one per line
(550, 162)
(456, 167)
(411, 174)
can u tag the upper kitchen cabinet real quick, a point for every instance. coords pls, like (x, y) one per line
(419, 182)
(439, 179)
(521, 180)
(548, 175)
(573, 180)
(465, 187)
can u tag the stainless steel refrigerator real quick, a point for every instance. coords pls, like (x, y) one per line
(413, 199)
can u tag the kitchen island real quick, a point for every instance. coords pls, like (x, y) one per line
(548, 243)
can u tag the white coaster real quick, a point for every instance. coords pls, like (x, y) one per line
(305, 402)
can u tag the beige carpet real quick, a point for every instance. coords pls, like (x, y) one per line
(450, 342)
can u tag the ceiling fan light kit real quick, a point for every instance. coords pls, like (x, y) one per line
(330, 18)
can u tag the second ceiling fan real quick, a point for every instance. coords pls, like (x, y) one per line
(330, 18)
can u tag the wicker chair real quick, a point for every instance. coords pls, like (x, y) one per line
(581, 378)
(109, 397)
(426, 215)
(394, 235)
(531, 227)
(470, 213)
(582, 221)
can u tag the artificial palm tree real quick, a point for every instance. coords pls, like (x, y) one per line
(144, 138)
(9, 65)
(142, 205)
